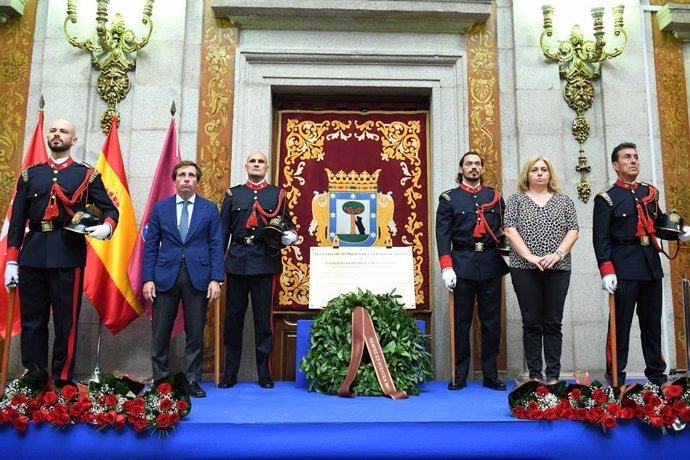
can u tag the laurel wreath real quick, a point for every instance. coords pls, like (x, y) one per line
(404, 346)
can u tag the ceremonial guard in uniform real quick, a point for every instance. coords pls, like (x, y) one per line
(51, 259)
(627, 252)
(252, 265)
(468, 228)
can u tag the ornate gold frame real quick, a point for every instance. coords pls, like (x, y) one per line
(16, 47)
(674, 132)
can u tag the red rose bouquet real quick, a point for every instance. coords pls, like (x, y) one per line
(664, 408)
(108, 401)
(166, 403)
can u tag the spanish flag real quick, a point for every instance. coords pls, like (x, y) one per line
(35, 153)
(105, 279)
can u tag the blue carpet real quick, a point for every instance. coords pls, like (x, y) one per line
(287, 422)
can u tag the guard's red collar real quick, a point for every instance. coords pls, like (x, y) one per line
(469, 189)
(62, 165)
(263, 184)
(627, 186)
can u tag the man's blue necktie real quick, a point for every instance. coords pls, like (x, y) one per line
(184, 220)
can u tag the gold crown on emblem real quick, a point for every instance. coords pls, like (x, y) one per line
(352, 181)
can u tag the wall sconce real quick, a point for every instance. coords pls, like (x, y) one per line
(579, 65)
(112, 53)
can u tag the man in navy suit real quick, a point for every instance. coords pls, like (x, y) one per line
(183, 260)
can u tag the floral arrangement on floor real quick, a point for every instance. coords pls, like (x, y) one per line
(110, 401)
(666, 408)
(403, 343)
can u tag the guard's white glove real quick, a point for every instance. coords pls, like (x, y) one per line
(100, 232)
(609, 283)
(288, 238)
(11, 275)
(685, 236)
(449, 278)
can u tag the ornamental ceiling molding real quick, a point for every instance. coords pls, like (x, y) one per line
(10, 9)
(420, 16)
(675, 18)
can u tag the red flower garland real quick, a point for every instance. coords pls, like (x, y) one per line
(664, 408)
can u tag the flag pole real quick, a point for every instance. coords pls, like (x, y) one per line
(8, 339)
(686, 320)
(96, 374)
(216, 340)
(612, 338)
(451, 320)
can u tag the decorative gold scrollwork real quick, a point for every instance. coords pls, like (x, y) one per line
(483, 92)
(112, 53)
(216, 96)
(400, 141)
(305, 141)
(579, 65)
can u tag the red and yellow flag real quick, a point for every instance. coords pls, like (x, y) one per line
(105, 279)
(35, 153)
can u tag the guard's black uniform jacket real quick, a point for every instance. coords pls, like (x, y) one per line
(51, 259)
(47, 245)
(252, 268)
(617, 247)
(456, 218)
(465, 220)
(248, 253)
(625, 245)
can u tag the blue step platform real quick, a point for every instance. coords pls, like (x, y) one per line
(287, 422)
(247, 422)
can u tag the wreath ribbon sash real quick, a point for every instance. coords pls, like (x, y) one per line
(364, 333)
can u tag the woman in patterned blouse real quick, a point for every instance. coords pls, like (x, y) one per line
(541, 226)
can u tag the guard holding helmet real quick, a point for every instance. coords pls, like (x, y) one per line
(252, 263)
(49, 259)
(626, 215)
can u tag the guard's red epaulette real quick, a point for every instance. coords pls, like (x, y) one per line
(25, 171)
